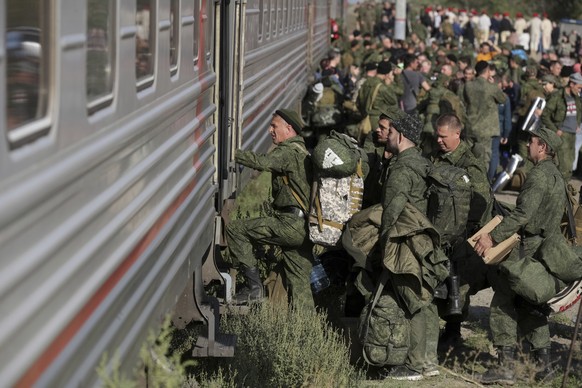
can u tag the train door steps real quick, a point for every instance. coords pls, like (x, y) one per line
(222, 346)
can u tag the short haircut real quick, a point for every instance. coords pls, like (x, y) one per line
(449, 120)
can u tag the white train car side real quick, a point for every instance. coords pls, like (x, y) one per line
(119, 122)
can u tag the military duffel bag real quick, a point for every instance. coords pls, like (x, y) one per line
(384, 329)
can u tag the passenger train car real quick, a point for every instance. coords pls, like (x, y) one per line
(119, 121)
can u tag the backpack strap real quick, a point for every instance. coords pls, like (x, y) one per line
(374, 95)
(286, 178)
(294, 193)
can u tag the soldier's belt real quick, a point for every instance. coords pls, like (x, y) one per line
(292, 210)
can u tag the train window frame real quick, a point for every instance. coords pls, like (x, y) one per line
(267, 19)
(273, 25)
(105, 100)
(39, 126)
(147, 81)
(261, 17)
(196, 33)
(175, 32)
(280, 17)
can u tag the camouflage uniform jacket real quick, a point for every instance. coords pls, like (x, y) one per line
(554, 113)
(540, 205)
(385, 99)
(482, 201)
(530, 89)
(404, 183)
(481, 98)
(290, 158)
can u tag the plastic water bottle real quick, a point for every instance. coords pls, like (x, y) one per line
(318, 277)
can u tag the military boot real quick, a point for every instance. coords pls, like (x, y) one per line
(504, 372)
(543, 366)
(254, 287)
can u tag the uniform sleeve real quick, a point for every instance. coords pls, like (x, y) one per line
(528, 203)
(395, 199)
(274, 161)
(548, 112)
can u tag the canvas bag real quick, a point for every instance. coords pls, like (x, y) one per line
(384, 330)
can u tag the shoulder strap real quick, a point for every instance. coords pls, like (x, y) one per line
(374, 95)
(302, 204)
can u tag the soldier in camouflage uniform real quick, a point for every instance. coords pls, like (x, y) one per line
(405, 183)
(384, 99)
(537, 216)
(288, 161)
(481, 98)
(471, 269)
(562, 114)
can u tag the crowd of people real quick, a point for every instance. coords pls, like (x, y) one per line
(459, 91)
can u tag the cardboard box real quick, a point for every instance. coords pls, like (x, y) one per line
(499, 252)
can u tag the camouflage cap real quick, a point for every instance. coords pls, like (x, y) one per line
(292, 118)
(548, 78)
(547, 135)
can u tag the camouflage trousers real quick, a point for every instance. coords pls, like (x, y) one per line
(424, 337)
(509, 312)
(289, 233)
(566, 154)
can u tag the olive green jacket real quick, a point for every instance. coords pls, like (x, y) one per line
(405, 182)
(540, 205)
(482, 197)
(385, 99)
(481, 98)
(554, 113)
(291, 159)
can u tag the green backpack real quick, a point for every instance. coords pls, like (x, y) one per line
(449, 201)
(384, 330)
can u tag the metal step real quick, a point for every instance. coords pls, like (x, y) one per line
(222, 346)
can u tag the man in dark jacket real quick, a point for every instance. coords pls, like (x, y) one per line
(537, 216)
(290, 167)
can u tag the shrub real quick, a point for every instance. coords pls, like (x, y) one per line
(277, 347)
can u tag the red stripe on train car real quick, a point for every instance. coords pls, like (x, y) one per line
(57, 346)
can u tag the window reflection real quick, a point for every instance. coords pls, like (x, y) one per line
(100, 48)
(26, 59)
(174, 21)
(144, 66)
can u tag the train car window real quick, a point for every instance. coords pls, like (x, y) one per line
(273, 18)
(280, 15)
(196, 30)
(261, 7)
(100, 50)
(174, 35)
(266, 19)
(145, 41)
(27, 69)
